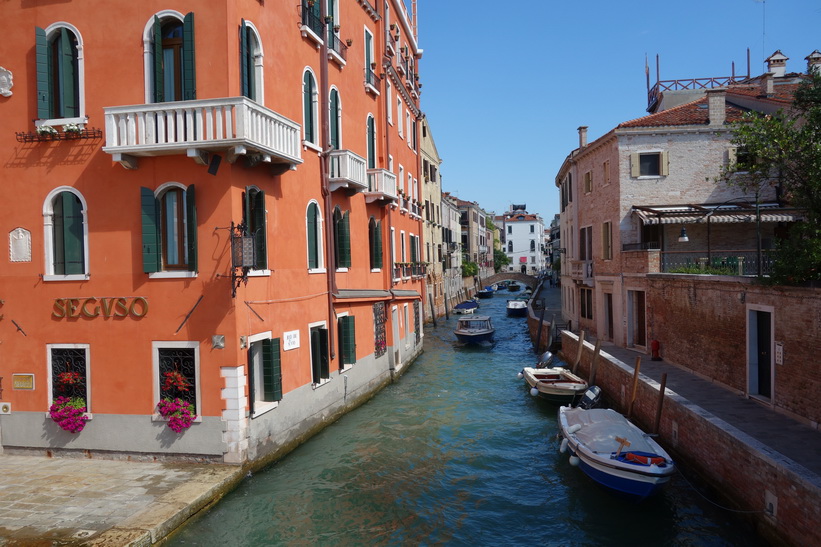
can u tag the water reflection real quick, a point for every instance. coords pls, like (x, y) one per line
(457, 452)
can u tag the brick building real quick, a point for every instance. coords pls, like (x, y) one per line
(181, 213)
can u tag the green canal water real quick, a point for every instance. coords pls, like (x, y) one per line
(456, 452)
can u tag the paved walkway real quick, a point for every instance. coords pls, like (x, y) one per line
(64, 501)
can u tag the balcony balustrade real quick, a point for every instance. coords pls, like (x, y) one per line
(336, 49)
(347, 170)
(735, 262)
(233, 125)
(381, 186)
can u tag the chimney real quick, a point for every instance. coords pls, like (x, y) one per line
(717, 105)
(777, 64)
(767, 84)
(582, 136)
(813, 62)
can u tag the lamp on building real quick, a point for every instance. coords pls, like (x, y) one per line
(682, 238)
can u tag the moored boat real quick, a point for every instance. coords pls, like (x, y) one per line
(516, 308)
(513, 286)
(485, 293)
(614, 452)
(466, 307)
(474, 330)
(557, 385)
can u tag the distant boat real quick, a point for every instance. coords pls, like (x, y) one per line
(614, 452)
(474, 330)
(485, 293)
(513, 286)
(517, 308)
(466, 307)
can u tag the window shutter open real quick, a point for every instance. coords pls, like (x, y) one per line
(335, 141)
(245, 88)
(267, 370)
(191, 227)
(665, 163)
(159, 79)
(313, 252)
(635, 169)
(189, 80)
(325, 370)
(43, 74)
(379, 260)
(151, 231)
(345, 240)
(732, 158)
(260, 230)
(371, 143)
(308, 106)
(347, 339)
(72, 234)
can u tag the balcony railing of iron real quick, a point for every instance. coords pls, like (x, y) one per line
(335, 44)
(397, 271)
(382, 181)
(311, 19)
(690, 83)
(204, 123)
(643, 246)
(734, 262)
(406, 270)
(370, 77)
(418, 269)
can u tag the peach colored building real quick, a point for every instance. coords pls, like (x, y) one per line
(214, 202)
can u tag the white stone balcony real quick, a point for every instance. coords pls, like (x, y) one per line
(381, 186)
(347, 170)
(231, 126)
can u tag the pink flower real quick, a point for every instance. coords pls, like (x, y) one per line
(69, 414)
(180, 413)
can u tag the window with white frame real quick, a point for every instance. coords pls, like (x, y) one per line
(264, 372)
(335, 118)
(399, 125)
(169, 230)
(176, 366)
(65, 218)
(69, 370)
(346, 325)
(388, 91)
(310, 118)
(320, 360)
(60, 75)
(314, 237)
(251, 73)
(169, 57)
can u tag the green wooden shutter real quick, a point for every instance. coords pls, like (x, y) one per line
(72, 234)
(313, 251)
(267, 370)
(260, 230)
(335, 119)
(276, 369)
(251, 380)
(379, 262)
(43, 74)
(68, 75)
(151, 231)
(191, 227)
(371, 144)
(243, 60)
(58, 243)
(159, 78)
(308, 106)
(324, 362)
(316, 362)
(189, 80)
(347, 340)
(345, 240)
(413, 248)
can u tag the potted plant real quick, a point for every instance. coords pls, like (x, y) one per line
(336, 28)
(69, 413)
(72, 130)
(46, 132)
(180, 414)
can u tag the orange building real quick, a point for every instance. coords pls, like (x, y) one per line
(213, 203)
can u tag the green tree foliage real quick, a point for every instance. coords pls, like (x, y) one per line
(469, 269)
(500, 259)
(785, 150)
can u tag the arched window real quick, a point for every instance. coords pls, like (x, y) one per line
(59, 67)
(336, 120)
(371, 143)
(375, 243)
(314, 232)
(342, 238)
(309, 113)
(66, 234)
(250, 63)
(170, 57)
(532, 245)
(169, 229)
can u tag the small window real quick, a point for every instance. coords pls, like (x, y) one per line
(606, 172)
(335, 117)
(309, 112)
(59, 68)
(68, 365)
(254, 218)
(607, 240)
(66, 234)
(510, 246)
(588, 182)
(375, 241)
(169, 229)
(320, 367)
(371, 136)
(172, 59)
(314, 233)
(586, 303)
(347, 340)
(649, 164)
(177, 371)
(510, 229)
(250, 63)
(342, 238)
(586, 243)
(264, 373)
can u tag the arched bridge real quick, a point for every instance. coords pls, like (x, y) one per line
(524, 279)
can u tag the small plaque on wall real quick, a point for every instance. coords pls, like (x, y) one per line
(22, 382)
(290, 340)
(779, 353)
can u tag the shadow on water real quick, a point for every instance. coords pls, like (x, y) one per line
(456, 452)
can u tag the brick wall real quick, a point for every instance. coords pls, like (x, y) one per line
(747, 474)
(711, 314)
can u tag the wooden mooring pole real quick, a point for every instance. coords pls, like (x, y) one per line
(432, 311)
(593, 362)
(660, 403)
(578, 353)
(635, 386)
(539, 334)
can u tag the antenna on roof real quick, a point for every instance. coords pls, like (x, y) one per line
(763, 24)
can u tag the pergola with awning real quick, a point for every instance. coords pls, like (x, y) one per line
(733, 212)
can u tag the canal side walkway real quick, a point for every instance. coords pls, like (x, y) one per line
(67, 501)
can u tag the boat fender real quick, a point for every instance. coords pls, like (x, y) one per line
(520, 375)
(534, 391)
(574, 460)
(573, 428)
(563, 446)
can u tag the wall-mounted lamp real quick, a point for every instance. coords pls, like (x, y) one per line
(682, 238)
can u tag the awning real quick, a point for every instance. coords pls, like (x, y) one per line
(733, 213)
(361, 294)
(405, 294)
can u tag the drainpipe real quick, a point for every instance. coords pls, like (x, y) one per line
(325, 140)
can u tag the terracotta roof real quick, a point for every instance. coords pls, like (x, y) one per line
(692, 113)
(520, 217)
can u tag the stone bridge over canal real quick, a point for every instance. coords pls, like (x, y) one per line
(524, 279)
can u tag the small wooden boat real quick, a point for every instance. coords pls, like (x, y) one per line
(513, 286)
(516, 308)
(466, 307)
(557, 385)
(474, 330)
(614, 452)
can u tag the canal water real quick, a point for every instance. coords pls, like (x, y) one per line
(456, 452)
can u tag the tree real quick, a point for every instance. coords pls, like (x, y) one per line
(500, 259)
(784, 150)
(469, 269)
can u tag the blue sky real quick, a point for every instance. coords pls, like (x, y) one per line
(507, 84)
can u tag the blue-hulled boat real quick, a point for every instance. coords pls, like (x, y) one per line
(474, 330)
(466, 307)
